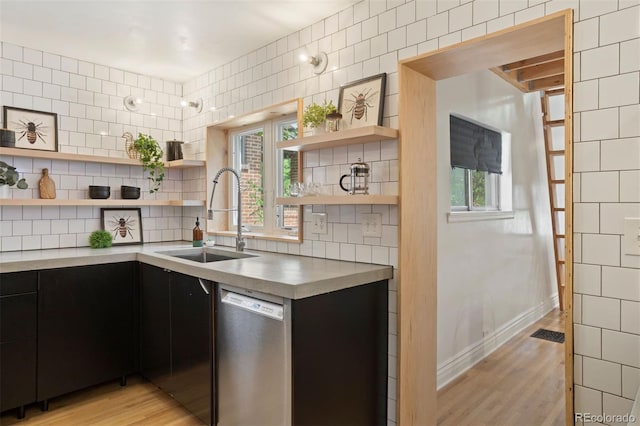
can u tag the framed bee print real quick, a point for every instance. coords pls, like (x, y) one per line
(361, 102)
(125, 225)
(34, 129)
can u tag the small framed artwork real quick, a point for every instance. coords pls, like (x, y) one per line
(125, 225)
(34, 129)
(361, 102)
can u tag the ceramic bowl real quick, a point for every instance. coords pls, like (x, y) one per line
(99, 192)
(129, 192)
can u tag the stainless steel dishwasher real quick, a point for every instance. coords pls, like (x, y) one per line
(253, 343)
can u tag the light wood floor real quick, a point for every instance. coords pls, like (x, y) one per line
(139, 403)
(520, 384)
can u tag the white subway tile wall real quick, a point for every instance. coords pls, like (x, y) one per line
(88, 99)
(607, 189)
(365, 39)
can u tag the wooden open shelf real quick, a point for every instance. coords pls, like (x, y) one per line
(337, 199)
(51, 155)
(340, 138)
(101, 203)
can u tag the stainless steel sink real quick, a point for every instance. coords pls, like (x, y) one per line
(205, 255)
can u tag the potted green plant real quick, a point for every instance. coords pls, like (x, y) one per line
(100, 239)
(151, 159)
(314, 115)
(10, 177)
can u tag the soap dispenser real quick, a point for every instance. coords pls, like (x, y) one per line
(197, 234)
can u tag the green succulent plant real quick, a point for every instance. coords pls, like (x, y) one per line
(314, 114)
(151, 159)
(100, 239)
(9, 176)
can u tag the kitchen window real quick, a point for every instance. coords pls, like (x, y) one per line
(480, 179)
(265, 173)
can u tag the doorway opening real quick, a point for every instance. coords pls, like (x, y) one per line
(417, 288)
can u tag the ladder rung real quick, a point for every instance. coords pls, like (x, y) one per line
(559, 235)
(558, 209)
(554, 123)
(561, 262)
(557, 181)
(556, 152)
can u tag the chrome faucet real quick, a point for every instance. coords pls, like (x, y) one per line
(239, 240)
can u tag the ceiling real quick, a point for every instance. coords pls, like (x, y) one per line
(176, 40)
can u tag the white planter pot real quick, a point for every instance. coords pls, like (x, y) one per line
(4, 192)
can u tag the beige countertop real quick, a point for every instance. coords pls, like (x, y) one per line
(293, 277)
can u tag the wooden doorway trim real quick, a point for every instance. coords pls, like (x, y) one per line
(417, 281)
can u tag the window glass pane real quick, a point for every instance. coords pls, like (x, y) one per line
(484, 190)
(288, 168)
(248, 154)
(458, 187)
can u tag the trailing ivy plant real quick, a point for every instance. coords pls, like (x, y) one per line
(151, 159)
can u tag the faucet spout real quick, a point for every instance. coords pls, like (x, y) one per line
(240, 243)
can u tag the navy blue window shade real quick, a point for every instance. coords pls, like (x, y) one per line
(475, 147)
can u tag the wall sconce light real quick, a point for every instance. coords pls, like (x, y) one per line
(319, 62)
(132, 103)
(197, 104)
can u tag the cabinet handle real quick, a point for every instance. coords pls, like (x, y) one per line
(204, 287)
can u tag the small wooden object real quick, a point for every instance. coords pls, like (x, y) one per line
(47, 186)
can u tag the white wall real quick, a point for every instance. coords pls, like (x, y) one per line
(492, 272)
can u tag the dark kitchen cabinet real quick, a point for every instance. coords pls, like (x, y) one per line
(176, 337)
(87, 322)
(18, 331)
(339, 357)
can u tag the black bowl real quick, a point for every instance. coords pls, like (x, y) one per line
(130, 192)
(99, 192)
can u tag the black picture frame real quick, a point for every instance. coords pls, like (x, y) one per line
(119, 221)
(35, 130)
(361, 102)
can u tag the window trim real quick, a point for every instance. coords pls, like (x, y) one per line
(271, 184)
(216, 154)
(504, 192)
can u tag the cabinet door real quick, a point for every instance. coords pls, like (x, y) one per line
(86, 326)
(191, 344)
(155, 324)
(18, 316)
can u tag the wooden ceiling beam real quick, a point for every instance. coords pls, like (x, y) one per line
(511, 79)
(533, 61)
(546, 83)
(536, 72)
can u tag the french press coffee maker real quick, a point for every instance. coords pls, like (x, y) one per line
(359, 178)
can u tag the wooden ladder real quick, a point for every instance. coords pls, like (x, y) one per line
(554, 149)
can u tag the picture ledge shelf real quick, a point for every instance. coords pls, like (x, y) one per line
(340, 138)
(113, 203)
(49, 155)
(337, 200)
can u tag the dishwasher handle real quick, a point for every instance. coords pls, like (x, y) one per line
(204, 287)
(256, 306)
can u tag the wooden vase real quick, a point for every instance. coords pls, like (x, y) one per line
(47, 186)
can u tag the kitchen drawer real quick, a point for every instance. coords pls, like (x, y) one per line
(18, 282)
(18, 317)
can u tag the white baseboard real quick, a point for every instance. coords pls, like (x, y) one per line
(470, 356)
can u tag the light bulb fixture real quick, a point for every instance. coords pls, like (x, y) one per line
(197, 104)
(132, 103)
(319, 62)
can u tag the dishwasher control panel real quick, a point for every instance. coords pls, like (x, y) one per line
(268, 309)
